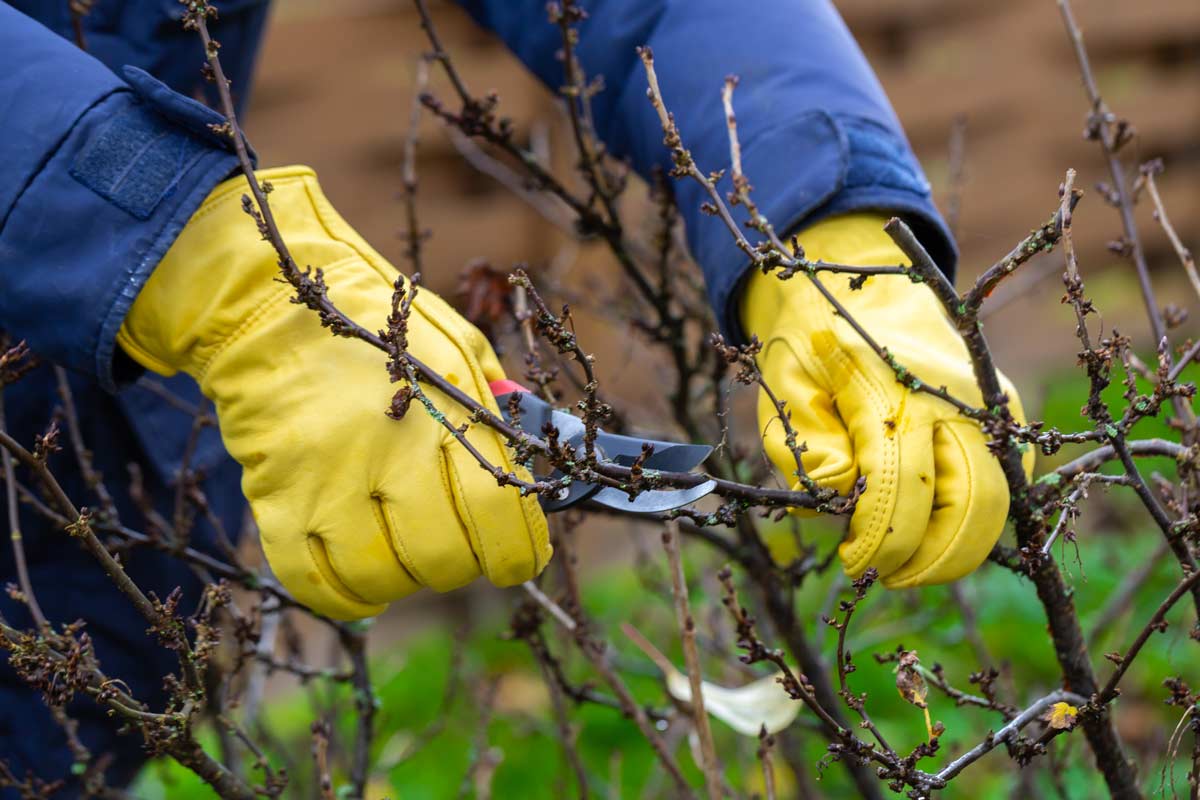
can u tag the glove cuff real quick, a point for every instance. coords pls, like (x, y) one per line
(220, 274)
(856, 240)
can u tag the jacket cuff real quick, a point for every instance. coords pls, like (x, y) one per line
(815, 166)
(95, 220)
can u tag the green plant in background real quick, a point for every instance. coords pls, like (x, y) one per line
(427, 744)
(428, 688)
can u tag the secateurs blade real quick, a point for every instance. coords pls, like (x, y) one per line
(536, 414)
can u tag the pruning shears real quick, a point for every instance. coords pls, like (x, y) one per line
(535, 414)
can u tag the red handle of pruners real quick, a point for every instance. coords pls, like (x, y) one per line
(503, 387)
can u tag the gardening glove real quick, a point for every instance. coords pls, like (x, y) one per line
(935, 499)
(354, 509)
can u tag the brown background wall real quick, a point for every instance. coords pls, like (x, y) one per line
(335, 84)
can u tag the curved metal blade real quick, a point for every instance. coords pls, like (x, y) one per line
(624, 450)
(667, 456)
(653, 501)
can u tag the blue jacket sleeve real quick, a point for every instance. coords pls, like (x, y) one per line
(817, 133)
(97, 177)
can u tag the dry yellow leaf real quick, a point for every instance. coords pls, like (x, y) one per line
(1061, 716)
(910, 683)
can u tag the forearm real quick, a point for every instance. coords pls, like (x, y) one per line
(97, 176)
(818, 135)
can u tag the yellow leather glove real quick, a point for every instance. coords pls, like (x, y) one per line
(354, 509)
(936, 499)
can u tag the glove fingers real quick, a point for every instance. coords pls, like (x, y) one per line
(507, 532)
(892, 447)
(421, 517)
(969, 509)
(829, 457)
(361, 550)
(301, 560)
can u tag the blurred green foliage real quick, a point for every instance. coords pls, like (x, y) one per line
(1115, 538)
(411, 683)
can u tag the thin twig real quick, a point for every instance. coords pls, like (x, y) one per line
(414, 237)
(691, 659)
(1103, 127)
(957, 172)
(1155, 623)
(545, 602)
(766, 743)
(14, 533)
(1007, 732)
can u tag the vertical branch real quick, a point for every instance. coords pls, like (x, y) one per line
(1160, 213)
(320, 753)
(78, 10)
(594, 651)
(691, 658)
(566, 732)
(844, 664)
(14, 532)
(1112, 135)
(766, 744)
(1194, 772)
(354, 642)
(414, 236)
(1096, 409)
(185, 483)
(957, 169)
(83, 456)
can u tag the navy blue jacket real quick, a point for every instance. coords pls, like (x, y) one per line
(105, 155)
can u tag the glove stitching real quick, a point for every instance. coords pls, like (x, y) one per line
(539, 532)
(210, 205)
(871, 539)
(482, 393)
(284, 292)
(336, 228)
(467, 519)
(383, 516)
(467, 526)
(240, 330)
